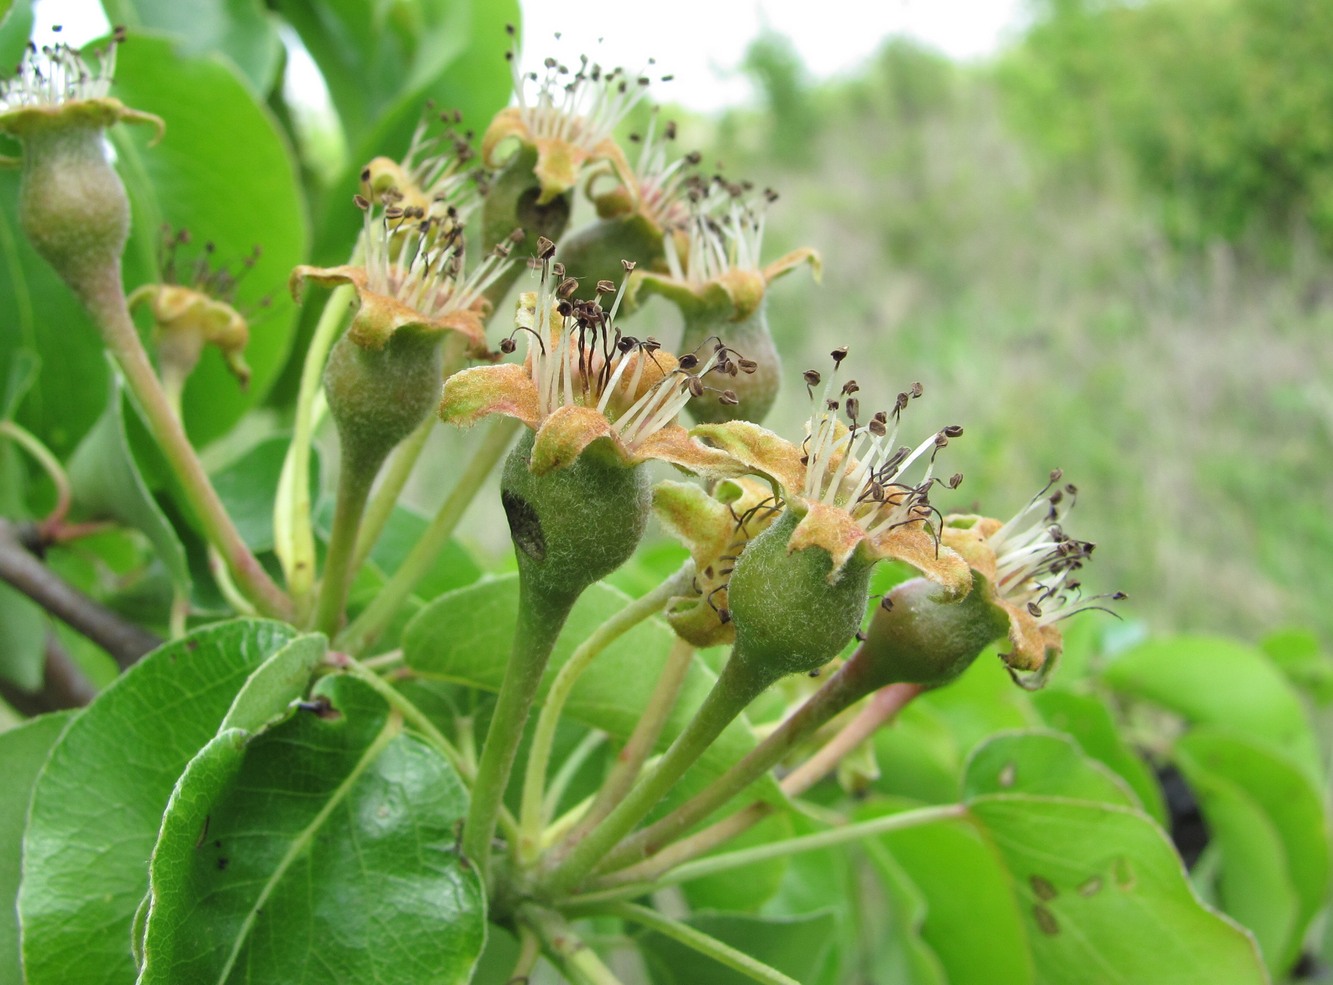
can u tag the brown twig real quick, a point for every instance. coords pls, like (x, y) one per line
(122, 639)
(64, 685)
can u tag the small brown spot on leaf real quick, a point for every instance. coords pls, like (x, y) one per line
(1090, 887)
(1043, 888)
(1045, 920)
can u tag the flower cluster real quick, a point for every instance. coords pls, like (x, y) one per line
(583, 379)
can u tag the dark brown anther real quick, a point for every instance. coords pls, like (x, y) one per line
(695, 386)
(729, 398)
(850, 387)
(688, 361)
(566, 288)
(839, 354)
(360, 202)
(628, 265)
(1034, 609)
(558, 270)
(953, 431)
(605, 287)
(955, 480)
(917, 390)
(747, 365)
(507, 346)
(545, 248)
(886, 604)
(853, 408)
(651, 344)
(877, 425)
(724, 616)
(811, 377)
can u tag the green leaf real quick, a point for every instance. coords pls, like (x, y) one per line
(1088, 720)
(465, 636)
(1268, 821)
(1298, 653)
(224, 171)
(902, 956)
(965, 886)
(1214, 681)
(22, 374)
(1104, 897)
(23, 750)
(327, 842)
(283, 678)
(240, 29)
(981, 702)
(454, 568)
(795, 946)
(918, 757)
(15, 29)
(22, 640)
(1042, 763)
(749, 887)
(107, 486)
(98, 803)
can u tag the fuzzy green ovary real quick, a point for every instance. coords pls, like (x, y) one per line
(923, 640)
(594, 252)
(789, 618)
(750, 338)
(72, 205)
(574, 525)
(379, 396)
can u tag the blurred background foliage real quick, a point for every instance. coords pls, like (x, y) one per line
(1106, 249)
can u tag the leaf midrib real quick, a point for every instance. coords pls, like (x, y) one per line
(392, 726)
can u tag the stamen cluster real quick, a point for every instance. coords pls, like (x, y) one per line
(860, 468)
(725, 230)
(56, 74)
(418, 258)
(1036, 562)
(581, 106)
(579, 357)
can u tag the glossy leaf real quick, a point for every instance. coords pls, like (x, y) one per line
(1104, 898)
(795, 946)
(23, 750)
(465, 636)
(22, 639)
(1088, 720)
(240, 29)
(283, 678)
(1044, 763)
(1268, 822)
(902, 955)
(1222, 682)
(248, 195)
(747, 888)
(965, 885)
(107, 486)
(326, 842)
(98, 803)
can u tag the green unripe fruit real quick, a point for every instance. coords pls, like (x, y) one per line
(379, 396)
(594, 252)
(572, 525)
(789, 618)
(922, 640)
(72, 205)
(756, 391)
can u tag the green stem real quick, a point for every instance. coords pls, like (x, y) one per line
(697, 940)
(882, 707)
(375, 617)
(355, 477)
(839, 692)
(399, 470)
(579, 962)
(413, 715)
(736, 687)
(642, 740)
(292, 513)
(715, 864)
(539, 622)
(49, 464)
(106, 303)
(531, 816)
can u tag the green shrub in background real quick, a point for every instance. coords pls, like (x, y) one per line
(1219, 107)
